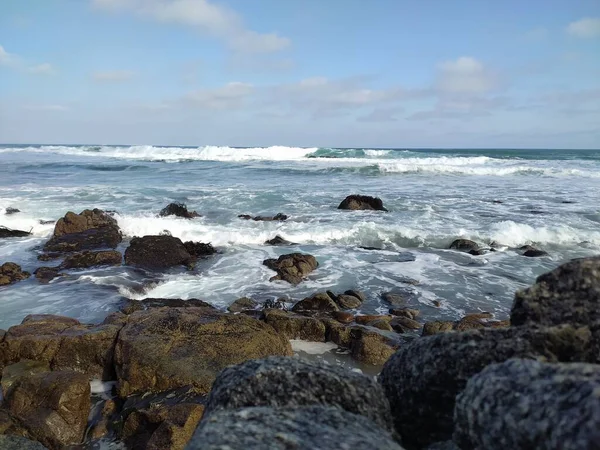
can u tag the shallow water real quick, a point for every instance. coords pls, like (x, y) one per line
(549, 199)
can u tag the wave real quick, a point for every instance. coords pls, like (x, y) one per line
(352, 153)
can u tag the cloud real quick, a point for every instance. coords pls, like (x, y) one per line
(465, 75)
(7, 59)
(229, 97)
(212, 19)
(112, 76)
(42, 69)
(15, 62)
(588, 27)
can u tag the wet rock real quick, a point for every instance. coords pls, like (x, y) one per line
(292, 268)
(405, 312)
(358, 294)
(423, 378)
(11, 273)
(11, 210)
(337, 333)
(356, 202)
(8, 233)
(23, 368)
(477, 252)
(348, 301)
(532, 252)
(47, 222)
(86, 220)
(179, 210)
(92, 239)
(437, 326)
(365, 319)
(157, 253)
(49, 256)
(320, 302)
(9, 442)
(278, 240)
(47, 274)
(381, 324)
(468, 323)
(241, 304)
(294, 326)
(199, 249)
(371, 347)
(82, 260)
(568, 294)
(464, 245)
(343, 316)
(245, 216)
(290, 382)
(521, 402)
(53, 406)
(302, 428)
(394, 299)
(277, 217)
(403, 324)
(131, 306)
(436, 303)
(444, 445)
(166, 348)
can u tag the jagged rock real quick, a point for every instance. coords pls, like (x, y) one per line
(64, 343)
(278, 240)
(131, 306)
(568, 294)
(405, 312)
(47, 274)
(303, 428)
(11, 273)
(167, 348)
(8, 233)
(290, 382)
(437, 326)
(523, 404)
(423, 378)
(23, 368)
(292, 268)
(464, 245)
(11, 210)
(356, 202)
(241, 304)
(348, 301)
(294, 326)
(320, 302)
(53, 406)
(343, 316)
(82, 260)
(92, 239)
(199, 249)
(86, 220)
(179, 210)
(157, 252)
(9, 442)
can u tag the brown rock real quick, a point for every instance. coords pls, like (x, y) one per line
(131, 306)
(358, 294)
(370, 347)
(320, 302)
(498, 323)
(241, 304)
(10, 425)
(25, 367)
(436, 303)
(402, 324)
(166, 348)
(381, 324)
(464, 245)
(11, 273)
(468, 323)
(53, 406)
(343, 316)
(337, 333)
(363, 320)
(478, 315)
(292, 268)
(47, 274)
(438, 326)
(86, 220)
(394, 299)
(348, 301)
(157, 252)
(358, 202)
(294, 326)
(405, 312)
(88, 258)
(94, 238)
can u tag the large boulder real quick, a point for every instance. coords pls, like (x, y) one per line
(23, 368)
(82, 260)
(9, 442)
(86, 220)
(295, 326)
(320, 302)
(423, 378)
(157, 252)
(11, 273)
(290, 382)
(292, 268)
(94, 238)
(464, 245)
(9, 233)
(522, 404)
(167, 348)
(355, 202)
(53, 406)
(568, 294)
(370, 346)
(302, 428)
(179, 210)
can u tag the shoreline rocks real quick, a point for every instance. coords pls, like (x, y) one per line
(362, 202)
(161, 252)
(178, 210)
(11, 273)
(292, 268)
(9, 233)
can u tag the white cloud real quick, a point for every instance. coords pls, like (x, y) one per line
(7, 59)
(215, 20)
(228, 97)
(42, 69)
(15, 62)
(588, 27)
(112, 76)
(465, 75)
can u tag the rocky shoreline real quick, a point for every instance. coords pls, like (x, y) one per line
(181, 374)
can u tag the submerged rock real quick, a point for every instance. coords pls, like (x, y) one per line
(293, 267)
(8, 233)
(82, 260)
(278, 240)
(522, 404)
(348, 301)
(47, 274)
(157, 252)
(179, 210)
(356, 202)
(394, 299)
(276, 218)
(241, 304)
(11, 210)
(464, 245)
(11, 273)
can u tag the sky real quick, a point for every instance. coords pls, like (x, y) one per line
(325, 73)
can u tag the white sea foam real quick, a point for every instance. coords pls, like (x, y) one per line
(312, 348)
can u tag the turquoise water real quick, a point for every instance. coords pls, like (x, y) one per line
(549, 199)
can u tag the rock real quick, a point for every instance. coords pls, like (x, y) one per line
(294, 326)
(281, 382)
(92, 239)
(23, 368)
(464, 245)
(179, 210)
(358, 294)
(468, 323)
(87, 259)
(277, 217)
(157, 253)
(343, 316)
(167, 348)
(8, 442)
(568, 294)
(422, 379)
(444, 445)
(245, 216)
(438, 326)
(394, 299)
(320, 302)
(436, 303)
(131, 306)
(86, 220)
(53, 406)
(47, 274)
(278, 240)
(199, 249)
(356, 202)
(479, 315)
(521, 404)
(47, 222)
(10, 425)
(381, 324)
(534, 253)
(405, 312)
(62, 342)
(365, 319)
(241, 304)
(337, 333)
(371, 347)
(348, 301)
(303, 428)
(477, 252)
(11, 210)
(11, 273)
(402, 324)
(292, 268)
(49, 256)
(8, 233)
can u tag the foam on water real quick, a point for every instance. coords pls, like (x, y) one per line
(312, 348)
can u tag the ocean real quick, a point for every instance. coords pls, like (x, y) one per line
(547, 198)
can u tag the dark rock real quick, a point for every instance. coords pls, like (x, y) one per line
(522, 404)
(167, 348)
(302, 428)
(274, 304)
(179, 210)
(199, 249)
(92, 239)
(343, 316)
(131, 306)
(365, 319)
(568, 294)
(534, 253)
(8, 442)
(348, 301)
(423, 378)
(464, 245)
(278, 240)
(82, 260)
(47, 274)
(402, 324)
(11, 273)
(356, 202)
(11, 210)
(157, 253)
(241, 304)
(394, 299)
(245, 216)
(444, 445)
(405, 312)
(477, 252)
(10, 425)
(49, 256)
(358, 294)
(294, 326)
(292, 268)
(8, 233)
(23, 368)
(436, 303)
(438, 326)
(381, 324)
(277, 218)
(47, 222)
(320, 302)
(290, 382)
(53, 406)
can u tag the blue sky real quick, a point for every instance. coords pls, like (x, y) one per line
(353, 73)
